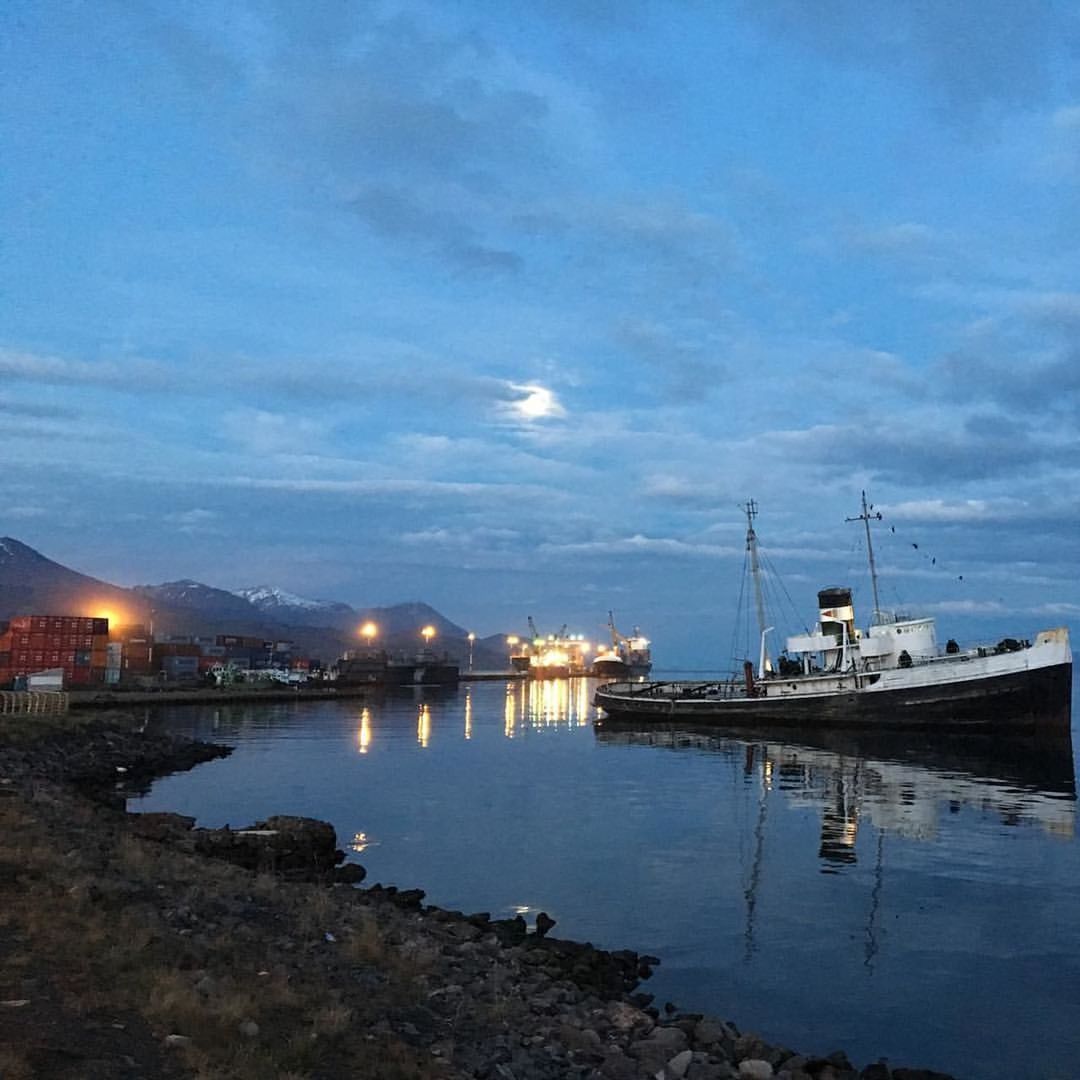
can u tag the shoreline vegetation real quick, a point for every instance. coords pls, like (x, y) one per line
(137, 945)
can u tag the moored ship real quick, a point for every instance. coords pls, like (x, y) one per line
(893, 675)
(626, 658)
(551, 656)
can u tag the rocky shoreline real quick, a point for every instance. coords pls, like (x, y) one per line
(181, 951)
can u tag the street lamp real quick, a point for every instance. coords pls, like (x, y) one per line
(368, 632)
(427, 634)
(472, 638)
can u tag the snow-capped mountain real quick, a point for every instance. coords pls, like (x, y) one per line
(268, 598)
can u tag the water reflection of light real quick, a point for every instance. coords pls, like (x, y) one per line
(363, 736)
(552, 702)
(468, 714)
(360, 842)
(423, 725)
(509, 713)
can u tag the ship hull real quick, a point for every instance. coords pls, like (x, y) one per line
(611, 669)
(1026, 699)
(422, 674)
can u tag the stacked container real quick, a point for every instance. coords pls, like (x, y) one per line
(73, 643)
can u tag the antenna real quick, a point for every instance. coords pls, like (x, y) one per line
(865, 517)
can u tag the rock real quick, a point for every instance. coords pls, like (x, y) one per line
(755, 1069)
(544, 922)
(708, 1032)
(878, 1070)
(617, 1066)
(625, 1017)
(177, 1041)
(295, 848)
(581, 1040)
(350, 873)
(679, 1064)
(672, 1039)
(160, 826)
(510, 931)
(751, 1045)
(249, 1029)
(711, 1070)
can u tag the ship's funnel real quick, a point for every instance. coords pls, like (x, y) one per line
(835, 611)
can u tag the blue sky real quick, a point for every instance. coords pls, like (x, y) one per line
(509, 307)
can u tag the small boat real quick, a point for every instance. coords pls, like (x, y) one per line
(893, 675)
(627, 657)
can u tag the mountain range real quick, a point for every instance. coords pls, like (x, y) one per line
(32, 584)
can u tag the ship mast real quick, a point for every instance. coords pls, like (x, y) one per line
(865, 517)
(755, 573)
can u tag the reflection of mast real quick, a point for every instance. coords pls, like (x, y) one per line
(875, 903)
(840, 824)
(750, 892)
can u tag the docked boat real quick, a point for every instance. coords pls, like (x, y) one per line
(551, 656)
(892, 675)
(374, 667)
(626, 658)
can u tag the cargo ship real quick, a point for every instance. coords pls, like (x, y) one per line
(893, 675)
(627, 657)
(551, 656)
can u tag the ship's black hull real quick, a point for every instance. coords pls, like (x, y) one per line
(1021, 701)
(422, 674)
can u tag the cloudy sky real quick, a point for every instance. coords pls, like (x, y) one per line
(508, 307)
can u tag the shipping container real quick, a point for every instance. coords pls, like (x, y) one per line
(175, 649)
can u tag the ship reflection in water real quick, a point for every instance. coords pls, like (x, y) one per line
(891, 786)
(897, 783)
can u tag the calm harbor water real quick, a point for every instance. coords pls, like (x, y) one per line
(890, 898)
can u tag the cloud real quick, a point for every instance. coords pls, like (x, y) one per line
(261, 432)
(638, 544)
(909, 453)
(35, 410)
(971, 58)
(132, 374)
(463, 539)
(387, 487)
(192, 522)
(905, 238)
(958, 511)
(690, 366)
(398, 214)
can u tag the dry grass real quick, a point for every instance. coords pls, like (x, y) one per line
(97, 927)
